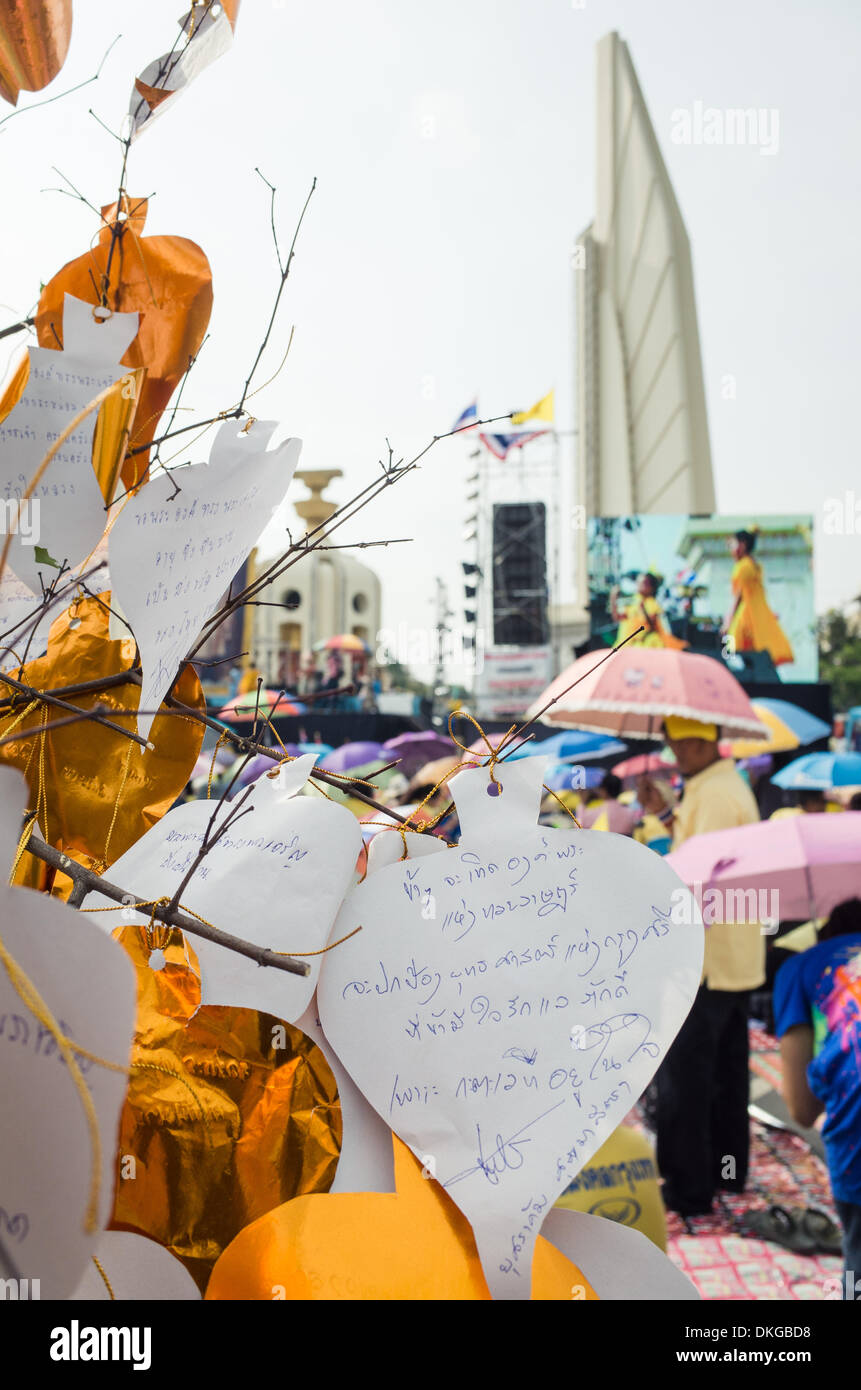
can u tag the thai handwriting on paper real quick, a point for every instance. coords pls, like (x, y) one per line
(17, 1226)
(585, 953)
(40, 1039)
(533, 1213)
(292, 848)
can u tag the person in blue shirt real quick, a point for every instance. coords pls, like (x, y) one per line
(817, 1011)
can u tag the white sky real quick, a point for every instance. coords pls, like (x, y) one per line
(453, 145)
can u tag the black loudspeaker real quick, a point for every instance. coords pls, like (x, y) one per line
(520, 574)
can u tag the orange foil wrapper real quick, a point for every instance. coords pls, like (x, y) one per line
(86, 769)
(372, 1246)
(34, 41)
(229, 1112)
(167, 280)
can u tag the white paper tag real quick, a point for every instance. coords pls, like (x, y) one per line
(137, 1269)
(276, 879)
(506, 1003)
(66, 514)
(210, 34)
(46, 1153)
(173, 554)
(620, 1263)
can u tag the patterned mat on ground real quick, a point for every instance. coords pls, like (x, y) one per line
(713, 1252)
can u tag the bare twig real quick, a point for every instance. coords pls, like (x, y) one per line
(59, 97)
(31, 694)
(284, 274)
(211, 836)
(16, 327)
(184, 429)
(391, 473)
(172, 917)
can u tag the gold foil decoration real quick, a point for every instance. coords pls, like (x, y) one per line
(229, 1112)
(167, 280)
(15, 387)
(86, 769)
(34, 41)
(113, 429)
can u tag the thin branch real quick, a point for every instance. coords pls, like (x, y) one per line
(272, 191)
(518, 732)
(16, 327)
(75, 193)
(106, 127)
(184, 429)
(392, 472)
(59, 97)
(82, 688)
(51, 597)
(40, 695)
(92, 883)
(176, 709)
(210, 839)
(284, 274)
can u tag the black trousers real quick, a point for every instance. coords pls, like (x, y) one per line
(703, 1132)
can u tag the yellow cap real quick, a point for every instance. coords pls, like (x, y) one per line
(677, 727)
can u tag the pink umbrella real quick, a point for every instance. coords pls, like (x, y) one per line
(262, 705)
(812, 861)
(631, 693)
(609, 815)
(644, 763)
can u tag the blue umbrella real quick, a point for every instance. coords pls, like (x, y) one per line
(572, 777)
(819, 771)
(572, 745)
(806, 727)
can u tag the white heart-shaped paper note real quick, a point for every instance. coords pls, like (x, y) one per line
(507, 1002)
(276, 878)
(57, 1142)
(178, 543)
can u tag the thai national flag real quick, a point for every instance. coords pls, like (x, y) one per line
(467, 418)
(500, 444)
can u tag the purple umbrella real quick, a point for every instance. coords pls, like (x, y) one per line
(260, 764)
(353, 755)
(415, 749)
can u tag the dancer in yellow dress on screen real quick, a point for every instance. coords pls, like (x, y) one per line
(751, 624)
(643, 611)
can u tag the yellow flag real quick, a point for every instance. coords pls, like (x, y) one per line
(542, 410)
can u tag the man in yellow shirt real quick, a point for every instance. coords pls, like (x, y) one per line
(703, 1133)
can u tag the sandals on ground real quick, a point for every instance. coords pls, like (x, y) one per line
(819, 1226)
(807, 1231)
